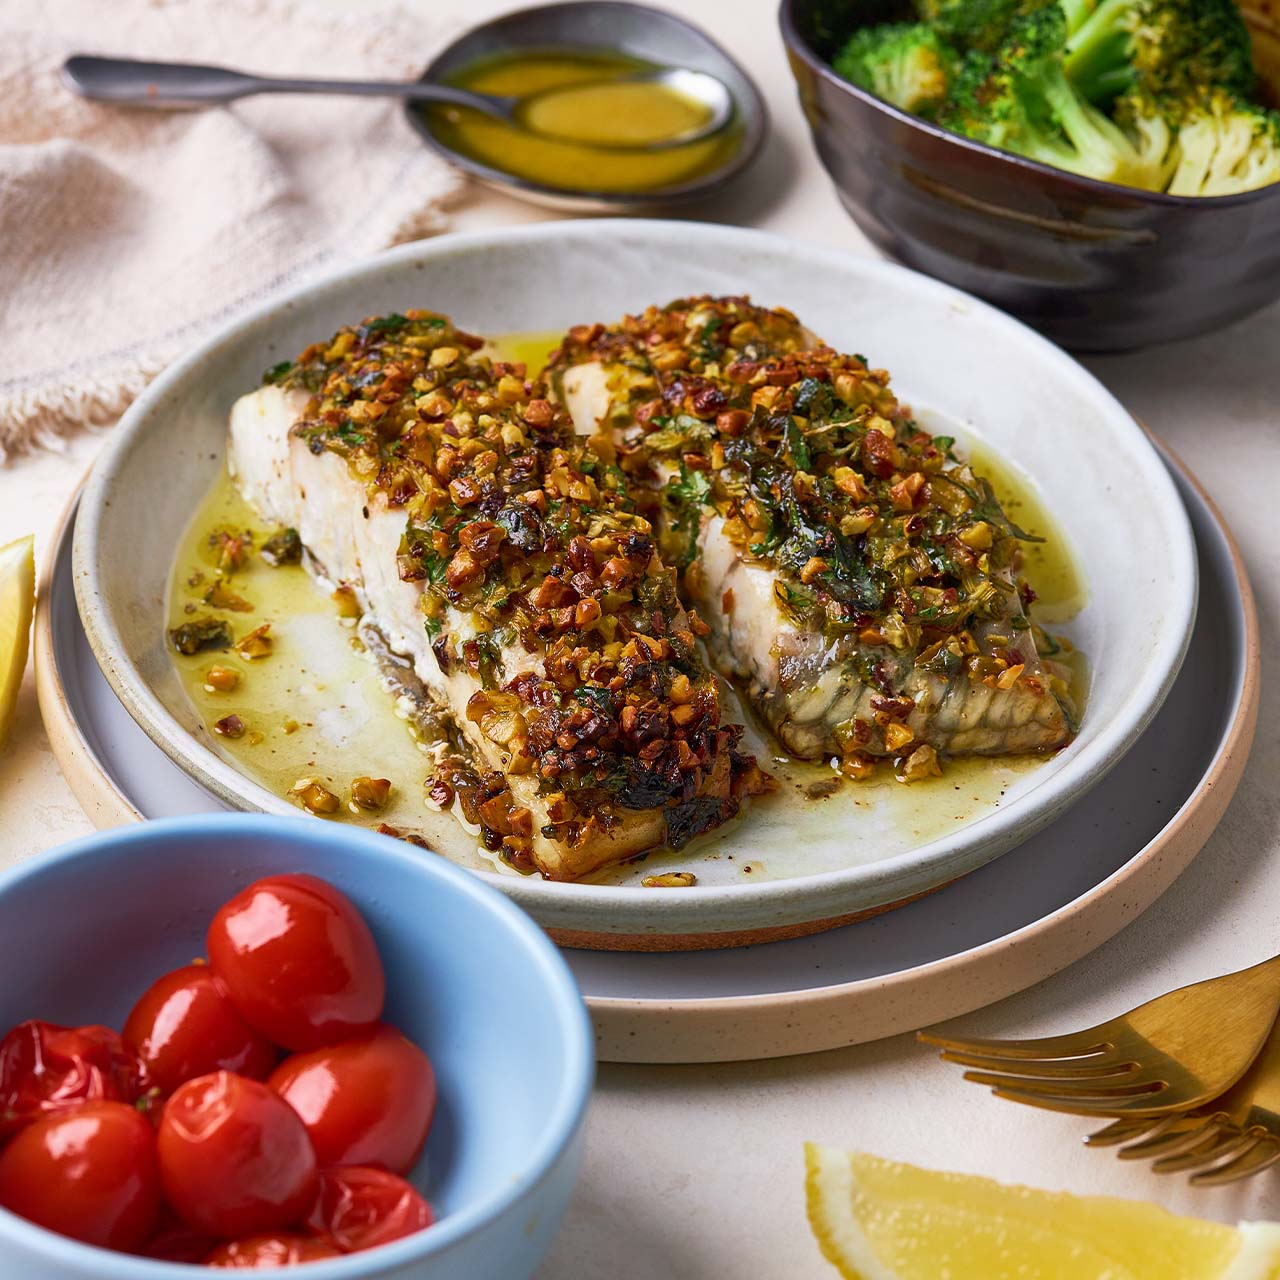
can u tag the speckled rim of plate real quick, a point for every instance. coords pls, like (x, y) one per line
(695, 917)
(96, 792)
(737, 1028)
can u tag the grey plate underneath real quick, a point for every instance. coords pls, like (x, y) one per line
(1110, 826)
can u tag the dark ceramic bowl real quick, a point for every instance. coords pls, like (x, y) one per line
(1093, 266)
(653, 35)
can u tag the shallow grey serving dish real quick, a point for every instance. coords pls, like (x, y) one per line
(654, 35)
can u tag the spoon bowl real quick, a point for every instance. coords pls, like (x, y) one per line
(696, 87)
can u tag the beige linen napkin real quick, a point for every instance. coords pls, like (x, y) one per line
(126, 234)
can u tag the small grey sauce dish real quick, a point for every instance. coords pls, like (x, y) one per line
(1095, 267)
(615, 26)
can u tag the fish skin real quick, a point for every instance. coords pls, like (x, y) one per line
(803, 688)
(957, 716)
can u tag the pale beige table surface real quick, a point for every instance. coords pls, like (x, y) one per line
(694, 1173)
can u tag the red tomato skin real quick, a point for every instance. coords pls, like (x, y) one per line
(234, 1158)
(174, 1241)
(360, 1208)
(368, 1100)
(298, 961)
(186, 1026)
(45, 1068)
(89, 1174)
(265, 1253)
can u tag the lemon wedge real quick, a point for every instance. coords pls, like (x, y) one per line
(17, 601)
(876, 1220)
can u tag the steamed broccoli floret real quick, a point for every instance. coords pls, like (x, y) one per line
(1213, 143)
(1148, 128)
(975, 24)
(903, 63)
(986, 104)
(1225, 145)
(1019, 99)
(1155, 94)
(1162, 46)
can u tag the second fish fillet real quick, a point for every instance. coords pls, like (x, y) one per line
(859, 579)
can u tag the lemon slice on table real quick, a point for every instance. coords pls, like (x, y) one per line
(17, 601)
(877, 1220)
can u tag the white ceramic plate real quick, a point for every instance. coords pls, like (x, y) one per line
(1060, 894)
(949, 355)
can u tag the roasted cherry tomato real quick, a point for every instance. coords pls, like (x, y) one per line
(46, 1068)
(362, 1208)
(174, 1241)
(186, 1026)
(235, 1159)
(298, 961)
(262, 1253)
(368, 1100)
(88, 1173)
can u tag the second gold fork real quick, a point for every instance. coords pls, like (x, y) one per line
(1231, 1137)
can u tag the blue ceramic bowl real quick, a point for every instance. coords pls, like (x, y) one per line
(86, 928)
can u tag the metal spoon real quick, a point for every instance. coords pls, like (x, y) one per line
(177, 84)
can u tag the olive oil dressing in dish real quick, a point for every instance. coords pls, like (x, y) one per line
(585, 96)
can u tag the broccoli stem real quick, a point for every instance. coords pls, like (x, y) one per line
(1103, 150)
(1097, 52)
(1076, 12)
(1107, 86)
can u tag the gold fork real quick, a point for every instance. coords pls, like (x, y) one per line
(1171, 1054)
(1232, 1137)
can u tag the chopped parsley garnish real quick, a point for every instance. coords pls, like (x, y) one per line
(687, 495)
(797, 446)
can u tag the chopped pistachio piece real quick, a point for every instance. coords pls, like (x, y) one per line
(670, 880)
(369, 793)
(229, 727)
(220, 596)
(200, 633)
(220, 679)
(257, 644)
(282, 548)
(314, 797)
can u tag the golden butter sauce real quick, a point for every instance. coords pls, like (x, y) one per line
(592, 110)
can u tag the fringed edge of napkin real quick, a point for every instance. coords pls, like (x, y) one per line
(42, 414)
(42, 417)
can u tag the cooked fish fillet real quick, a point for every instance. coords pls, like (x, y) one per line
(352, 537)
(859, 582)
(808, 690)
(453, 500)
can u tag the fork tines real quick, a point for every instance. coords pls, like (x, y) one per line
(1057, 1073)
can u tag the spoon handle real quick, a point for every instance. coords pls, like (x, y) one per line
(181, 84)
